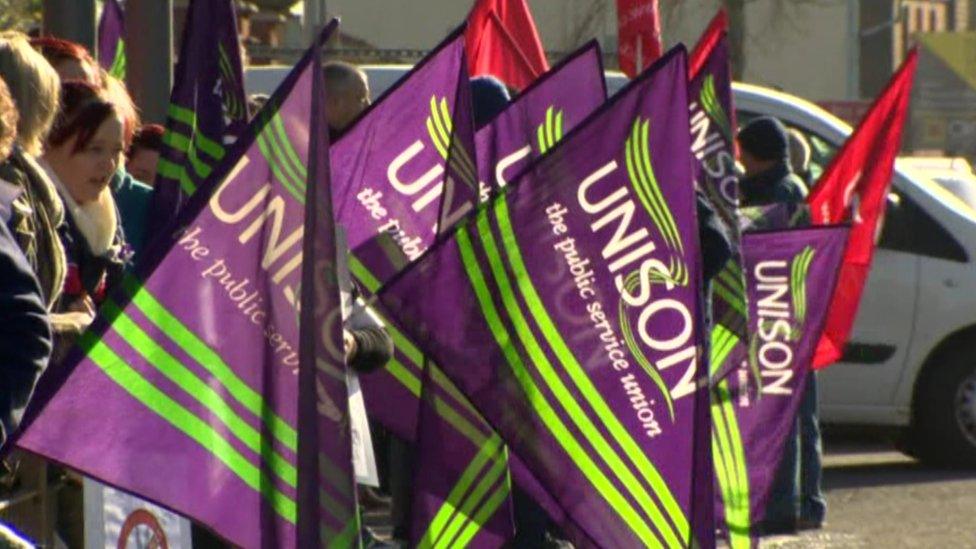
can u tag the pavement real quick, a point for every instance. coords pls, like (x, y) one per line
(878, 497)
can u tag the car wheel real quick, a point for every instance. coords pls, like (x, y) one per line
(945, 426)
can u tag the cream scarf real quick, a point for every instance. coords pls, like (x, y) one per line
(96, 220)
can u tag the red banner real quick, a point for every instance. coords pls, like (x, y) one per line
(716, 29)
(638, 34)
(502, 41)
(854, 188)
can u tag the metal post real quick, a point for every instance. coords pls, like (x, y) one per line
(853, 50)
(313, 18)
(149, 55)
(72, 20)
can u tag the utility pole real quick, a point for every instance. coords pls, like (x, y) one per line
(72, 20)
(149, 55)
(313, 18)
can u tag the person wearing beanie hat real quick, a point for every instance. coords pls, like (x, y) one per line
(770, 154)
(764, 152)
(489, 97)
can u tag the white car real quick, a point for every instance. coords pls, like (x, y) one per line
(908, 363)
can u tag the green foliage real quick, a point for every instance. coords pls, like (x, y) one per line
(21, 15)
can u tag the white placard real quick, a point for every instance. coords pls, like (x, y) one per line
(364, 462)
(117, 520)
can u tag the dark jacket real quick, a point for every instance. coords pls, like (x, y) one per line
(133, 199)
(36, 215)
(777, 186)
(25, 335)
(90, 274)
(716, 248)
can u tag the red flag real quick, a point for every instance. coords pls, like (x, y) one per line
(638, 35)
(855, 187)
(716, 29)
(502, 41)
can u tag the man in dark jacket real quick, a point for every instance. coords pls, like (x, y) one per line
(25, 335)
(764, 151)
(770, 181)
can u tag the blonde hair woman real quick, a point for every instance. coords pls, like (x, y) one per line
(38, 212)
(34, 85)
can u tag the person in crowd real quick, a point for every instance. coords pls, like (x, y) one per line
(25, 334)
(83, 153)
(764, 154)
(71, 60)
(768, 183)
(37, 212)
(489, 97)
(74, 62)
(346, 95)
(256, 102)
(143, 154)
(764, 146)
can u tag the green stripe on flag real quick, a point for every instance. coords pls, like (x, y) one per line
(212, 148)
(177, 141)
(723, 342)
(201, 168)
(550, 126)
(280, 136)
(197, 349)
(349, 537)
(363, 275)
(648, 180)
(455, 498)
(179, 374)
(168, 169)
(290, 185)
(466, 511)
(179, 417)
(535, 397)
(539, 359)
(182, 114)
(737, 504)
(481, 517)
(585, 385)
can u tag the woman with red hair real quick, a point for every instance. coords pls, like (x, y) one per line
(84, 150)
(73, 62)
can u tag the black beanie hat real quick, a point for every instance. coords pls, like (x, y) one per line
(765, 138)
(488, 97)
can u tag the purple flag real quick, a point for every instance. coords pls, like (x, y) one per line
(539, 117)
(452, 502)
(713, 146)
(790, 276)
(207, 110)
(713, 130)
(461, 486)
(390, 183)
(186, 391)
(567, 310)
(405, 170)
(391, 170)
(111, 47)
